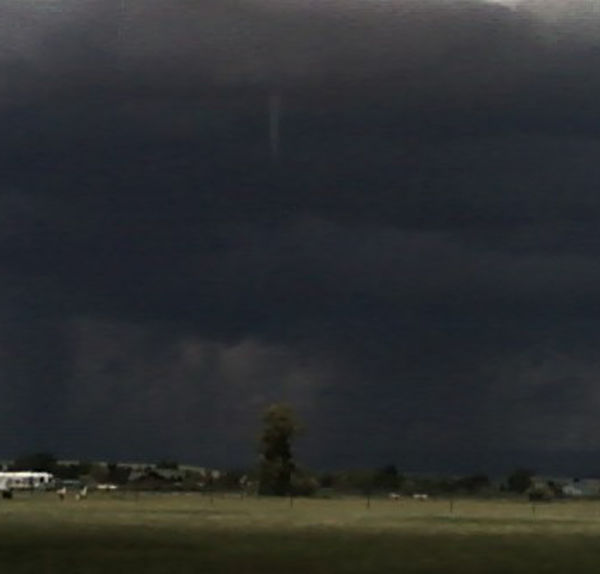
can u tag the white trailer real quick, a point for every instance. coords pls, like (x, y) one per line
(25, 480)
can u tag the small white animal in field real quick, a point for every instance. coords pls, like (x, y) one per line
(417, 496)
(81, 494)
(62, 492)
(394, 496)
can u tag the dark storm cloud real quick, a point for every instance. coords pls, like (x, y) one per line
(214, 391)
(425, 234)
(415, 49)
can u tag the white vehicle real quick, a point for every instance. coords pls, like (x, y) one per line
(25, 480)
(107, 487)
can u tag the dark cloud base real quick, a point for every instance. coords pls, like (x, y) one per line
(416, 271)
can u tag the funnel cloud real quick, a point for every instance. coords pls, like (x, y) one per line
(274, 120)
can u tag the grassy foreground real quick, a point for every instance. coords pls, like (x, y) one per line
(188, 533)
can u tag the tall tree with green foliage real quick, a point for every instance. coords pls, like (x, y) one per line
(276, 459)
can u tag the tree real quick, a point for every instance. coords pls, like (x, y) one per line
(303, 483)
(99, 472)
(387, 478)
(472, 483)
(520, 480)
(276, 459)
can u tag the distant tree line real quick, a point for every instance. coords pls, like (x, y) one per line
(277, 472)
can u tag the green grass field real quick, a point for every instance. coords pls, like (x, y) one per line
(187, 533)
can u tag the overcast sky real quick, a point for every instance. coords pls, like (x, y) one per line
(384, 212)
